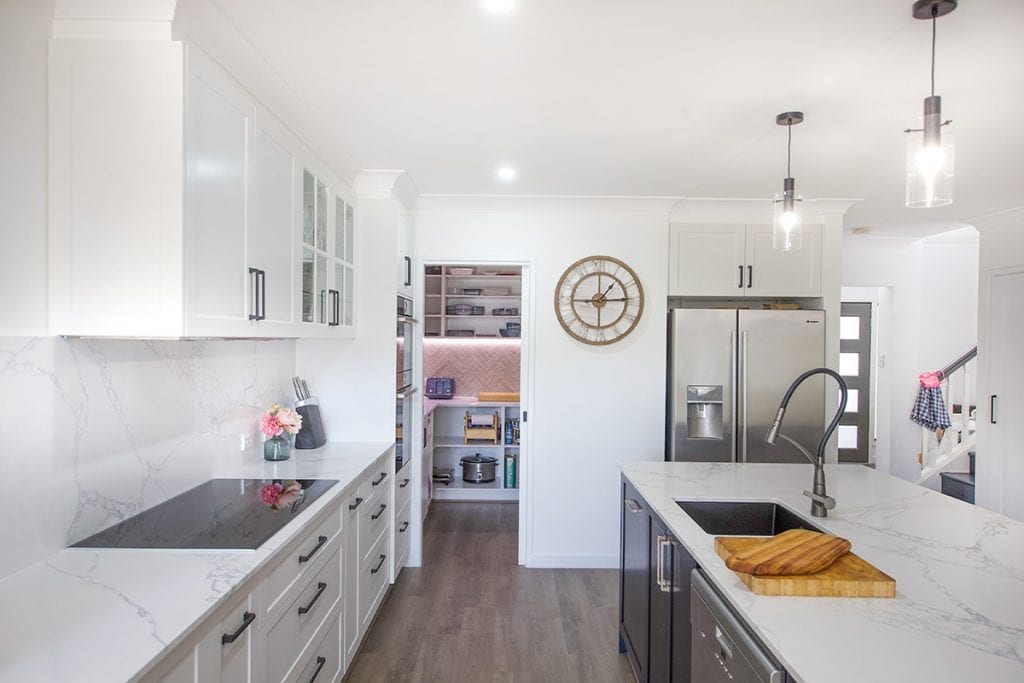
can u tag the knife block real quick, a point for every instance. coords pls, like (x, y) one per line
(312, 434)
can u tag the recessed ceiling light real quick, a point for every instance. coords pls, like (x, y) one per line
(499, 6)
(861, 230)
(506, 173)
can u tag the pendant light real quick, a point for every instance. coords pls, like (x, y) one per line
(930, 147)
(786, 223)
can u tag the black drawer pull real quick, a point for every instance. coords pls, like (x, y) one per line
(741, 277)
(379, 564)
(319, 544)
(320, 588)
(405, 525)
(632, 505)
(383, 476)
(380, 512)
(247, 618)
(359, 501)
(750, 276)
(320, 661)
(405, 482)
(992, 409)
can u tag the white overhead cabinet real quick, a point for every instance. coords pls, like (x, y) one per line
(178, 204)
(737, 260)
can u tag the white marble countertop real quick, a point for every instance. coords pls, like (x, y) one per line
(108, 615)
(958, 614)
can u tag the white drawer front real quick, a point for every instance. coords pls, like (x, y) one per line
(373, 580)
(372, 522)
(307, 555)
(403, 538)
(403, 487)
(323, 662)
(287, 638)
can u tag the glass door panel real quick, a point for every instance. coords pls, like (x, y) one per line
(321, 289)
(339, 229)
(348, 313)
(308, 208)
(321, 216)
(308, 291)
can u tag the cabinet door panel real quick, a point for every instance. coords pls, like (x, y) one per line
(271, 236)
(682, 565)
(659, 644)
(218, 144)
(705, 260)
(783, 273)
(633, 599)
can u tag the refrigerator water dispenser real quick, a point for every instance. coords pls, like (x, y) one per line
(703, 411)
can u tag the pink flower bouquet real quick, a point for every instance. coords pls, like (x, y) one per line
(278, 420)
(279, 495)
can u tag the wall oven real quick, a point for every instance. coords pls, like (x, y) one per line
(403, 380)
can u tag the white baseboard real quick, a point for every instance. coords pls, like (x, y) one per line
(549, 561)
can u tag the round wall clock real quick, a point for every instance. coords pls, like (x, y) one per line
(599, 300)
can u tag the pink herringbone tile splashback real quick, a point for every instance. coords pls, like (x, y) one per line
(476, 366)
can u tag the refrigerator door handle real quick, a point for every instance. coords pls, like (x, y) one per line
(732, 383)
(743, 394)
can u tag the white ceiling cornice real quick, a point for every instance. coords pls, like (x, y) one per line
(485, 202)
(1003, 219)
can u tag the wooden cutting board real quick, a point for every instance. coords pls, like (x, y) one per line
(797, 551)
(849, 577)
(499, 396)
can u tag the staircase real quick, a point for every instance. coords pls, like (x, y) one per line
(958, 389)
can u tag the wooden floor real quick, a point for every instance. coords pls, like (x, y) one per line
(470, 613)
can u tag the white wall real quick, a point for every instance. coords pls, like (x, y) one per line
(933, 283)
(590, 407)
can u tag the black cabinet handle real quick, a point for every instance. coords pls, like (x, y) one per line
(320, 542)
(263, 294)
(320, 588)
(741, 277)
(247, 618)
(405, 482)
(992, 409)
(408, 271)
(380, 512)
(379, 564)
(320, 661)
(255, 272)
(359, 501)
(334, 318)
(750, 276)
(405, 525)
(383, 476)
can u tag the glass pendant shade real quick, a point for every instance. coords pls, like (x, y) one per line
(930, 162)
(787, 221)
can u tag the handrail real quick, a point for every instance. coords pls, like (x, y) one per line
(959, 362)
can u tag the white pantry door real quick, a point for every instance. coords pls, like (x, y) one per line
(1006, 388)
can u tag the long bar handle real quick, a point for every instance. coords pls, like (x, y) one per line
(320, 588)
(741, 277)
(408, 271)
(379, 564)
(320, 661)
(992, 409)
(247, 618)
(632, 505)
(732, 401)
(383, 476)
(743, 392)
(353, 506)
(308, 556)
(750, 276)
(383, 507)
(255, 272)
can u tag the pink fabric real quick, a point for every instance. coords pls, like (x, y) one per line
(930, 380)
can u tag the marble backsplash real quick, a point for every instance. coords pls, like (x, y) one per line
(101, 429)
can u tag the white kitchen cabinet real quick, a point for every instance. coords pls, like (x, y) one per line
(175, 203)
(427, 466)
(737, 260)
(404, 254)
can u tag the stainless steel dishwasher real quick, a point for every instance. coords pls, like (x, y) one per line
(722, 649)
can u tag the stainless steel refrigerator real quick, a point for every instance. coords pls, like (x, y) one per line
(727, 372)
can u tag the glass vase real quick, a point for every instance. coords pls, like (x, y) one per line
(277, 448)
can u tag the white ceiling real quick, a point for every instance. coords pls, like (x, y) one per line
(659, 97)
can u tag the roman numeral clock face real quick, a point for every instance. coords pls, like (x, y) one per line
(599, 300)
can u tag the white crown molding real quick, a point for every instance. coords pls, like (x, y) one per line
(481, 202)
(386, 184)
(113, 19)
(758, 210)
(1001, 219)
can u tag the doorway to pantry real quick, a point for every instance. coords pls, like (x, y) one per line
(475, 374)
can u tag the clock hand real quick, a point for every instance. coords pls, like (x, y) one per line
(604, 294)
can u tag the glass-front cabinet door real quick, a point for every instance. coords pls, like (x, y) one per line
(328, 260)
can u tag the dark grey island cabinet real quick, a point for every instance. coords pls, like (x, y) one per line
(654, 599)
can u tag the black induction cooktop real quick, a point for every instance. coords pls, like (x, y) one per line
(221, 514)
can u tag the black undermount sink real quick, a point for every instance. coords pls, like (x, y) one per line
(743, 518)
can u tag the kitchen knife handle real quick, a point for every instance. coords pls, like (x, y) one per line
(380, 512)
(750, 276)
(632, 505)
(359, 501)
(320, 661)
(992, 409)
(308, 556)
(320, 588)
(741, 277)
(379, 564)
(247, 618)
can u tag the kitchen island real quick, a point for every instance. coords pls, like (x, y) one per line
(111, 614)
(959, 570)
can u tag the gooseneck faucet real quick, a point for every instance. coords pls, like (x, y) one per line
(821, 502)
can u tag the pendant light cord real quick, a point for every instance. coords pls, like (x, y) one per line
(789, 147)
(935, 11)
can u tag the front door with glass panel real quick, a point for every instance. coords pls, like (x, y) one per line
(854, 432)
